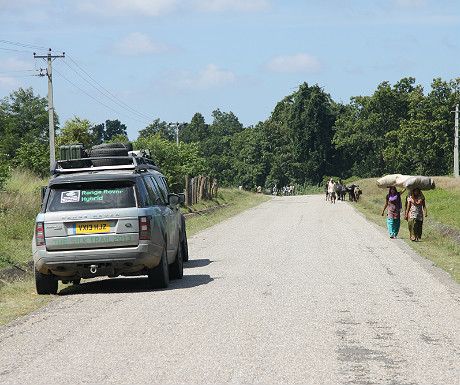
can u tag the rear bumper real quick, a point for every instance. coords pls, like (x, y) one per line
(98, 262)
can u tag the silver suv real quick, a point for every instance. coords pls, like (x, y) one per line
(108, 220)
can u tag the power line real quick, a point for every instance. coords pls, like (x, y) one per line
(75, 67)
(9, 72)
(123, 103)
(23, 45)
(104, 92)
(16, 76)
(15, 50)
(96, 100)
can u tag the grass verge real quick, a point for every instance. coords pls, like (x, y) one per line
(436, 244)
(19, 204)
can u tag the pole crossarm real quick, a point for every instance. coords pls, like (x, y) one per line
(177, 125)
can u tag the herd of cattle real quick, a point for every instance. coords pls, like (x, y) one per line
(353, 190)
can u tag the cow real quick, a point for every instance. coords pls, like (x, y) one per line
(341, 191)
(351, 192)
(357, 192)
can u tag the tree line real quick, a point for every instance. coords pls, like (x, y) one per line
(307, 137)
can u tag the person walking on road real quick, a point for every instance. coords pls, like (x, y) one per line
(414, 214)
(394, 204)
(331, 190)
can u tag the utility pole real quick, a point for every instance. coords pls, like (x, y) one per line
(177, 129)
(456, 144)
(50, 59)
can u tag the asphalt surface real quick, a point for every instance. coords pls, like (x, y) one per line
(296, 290)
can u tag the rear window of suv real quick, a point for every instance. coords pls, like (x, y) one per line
(91, 196)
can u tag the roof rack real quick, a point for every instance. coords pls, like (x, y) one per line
(130, 162)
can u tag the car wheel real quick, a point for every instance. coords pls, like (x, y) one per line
(184, 242)
(176, 270)
(45, 283)
(159, 275)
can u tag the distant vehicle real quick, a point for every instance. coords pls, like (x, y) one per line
(108, 214)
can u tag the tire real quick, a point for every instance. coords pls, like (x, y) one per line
(126, 145)
(159, 275)
(45, 283)
(176, 270)
(184, 241)
(103, 152)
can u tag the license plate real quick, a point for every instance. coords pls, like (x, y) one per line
(91, 227)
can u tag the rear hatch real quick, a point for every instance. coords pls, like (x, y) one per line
(91, 215)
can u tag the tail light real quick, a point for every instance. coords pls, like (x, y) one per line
(144, 227)
(39, 234)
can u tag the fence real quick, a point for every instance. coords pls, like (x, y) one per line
(199, 188)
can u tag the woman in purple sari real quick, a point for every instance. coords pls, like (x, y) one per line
(393, 202)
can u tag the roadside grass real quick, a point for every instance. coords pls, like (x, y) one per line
(19, 205)
(443, 205)
(19, 299)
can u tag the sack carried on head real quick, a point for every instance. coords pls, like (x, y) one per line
(420, 182)
(396, 180)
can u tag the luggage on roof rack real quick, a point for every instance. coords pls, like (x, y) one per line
(72, 151)
(91, 164)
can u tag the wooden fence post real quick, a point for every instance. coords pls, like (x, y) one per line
(188, 190)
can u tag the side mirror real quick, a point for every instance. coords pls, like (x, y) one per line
(181, 197)
(173, 199)
(43, 191)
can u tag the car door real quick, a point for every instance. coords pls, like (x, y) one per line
(164, 189)
(166, 212)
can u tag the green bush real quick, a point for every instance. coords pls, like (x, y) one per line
(5, 169)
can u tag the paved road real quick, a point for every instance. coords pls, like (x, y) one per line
(296, 290)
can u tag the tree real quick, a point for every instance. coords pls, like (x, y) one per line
(158, 127)
(216, 147)
(174, 161)
(99, 131)
(23, 118)
(310, 119)
(423, 143)
(76, 131)
(196, 131)
(34, 156)
(114, 128)
(105, 132)
(364, 131)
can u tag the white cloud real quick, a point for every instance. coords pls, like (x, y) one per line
(231, 5)
(211, 76)
(136, 44)
(295, 63)
(127, 7)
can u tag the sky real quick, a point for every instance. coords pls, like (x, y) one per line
(142, 60)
